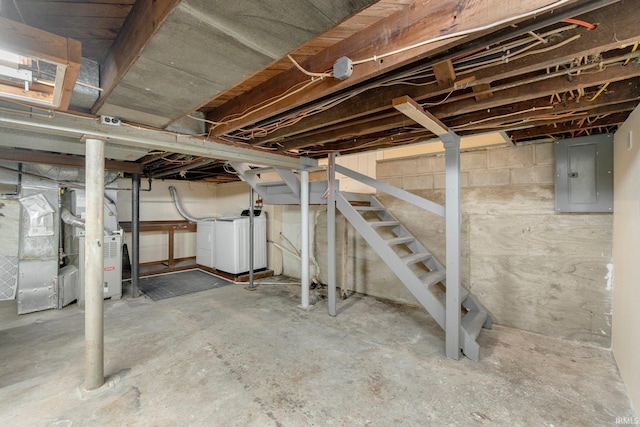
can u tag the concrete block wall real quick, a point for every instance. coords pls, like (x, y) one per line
(530, 164)
(535, 269)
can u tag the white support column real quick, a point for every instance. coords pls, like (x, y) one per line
(304, 237)
(452, 219)
(331, 234)
(94, 264)
(135, 235)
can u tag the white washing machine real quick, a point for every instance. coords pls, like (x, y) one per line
(232, 243)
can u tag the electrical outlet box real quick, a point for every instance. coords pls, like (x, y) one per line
(342, 68)
(109, 120)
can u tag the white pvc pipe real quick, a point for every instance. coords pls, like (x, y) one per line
(304, 236)
(94, 265)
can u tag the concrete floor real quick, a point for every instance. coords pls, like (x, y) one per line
(230, 357)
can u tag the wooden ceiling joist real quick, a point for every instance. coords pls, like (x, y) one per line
(141, 24)
(570, 127)
(466, 104)
(414, 111)
(399, 31)
(622, 92)
(609, 35)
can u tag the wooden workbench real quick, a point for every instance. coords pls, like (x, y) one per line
(170, 227)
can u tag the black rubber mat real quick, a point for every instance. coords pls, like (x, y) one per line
(181, 283)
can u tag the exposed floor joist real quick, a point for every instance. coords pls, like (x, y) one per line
(537, 72)
(402, 29)
(141, 24)
(612, 34)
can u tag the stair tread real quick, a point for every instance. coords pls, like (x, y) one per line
(370, 208)
(400, 240)
(464, 293)
(415, 258)
(433, 277)
(472, 322)
(260, 170)
(475, 316)
(383, 223)
(271, 184)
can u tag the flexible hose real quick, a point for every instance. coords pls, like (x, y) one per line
(176, 202)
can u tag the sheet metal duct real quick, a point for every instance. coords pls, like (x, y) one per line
(38, 259)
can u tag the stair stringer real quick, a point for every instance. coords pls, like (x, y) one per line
(476, 312)
(404, 273)
(287, 191)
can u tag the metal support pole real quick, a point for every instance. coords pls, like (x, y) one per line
(331, 234)
(135, 235)
(251, 242)
(304, 237)
(94, 265)
(452, 220)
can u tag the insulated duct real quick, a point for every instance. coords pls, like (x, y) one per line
(183, 214)
(69, 218)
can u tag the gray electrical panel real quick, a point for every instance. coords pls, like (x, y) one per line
(584, 174)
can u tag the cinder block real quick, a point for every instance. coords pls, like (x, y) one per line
(402, 167)
(424, 165)
(544, 153)
(395, 168)
(509, 157)
(491, 177)
(382, 169)
(542, 174)
(545, 174)
(417, 182)
(439, 181)
(521, 176)
(437, 163)
(409, 166)
(473, 160)
(396, 181)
